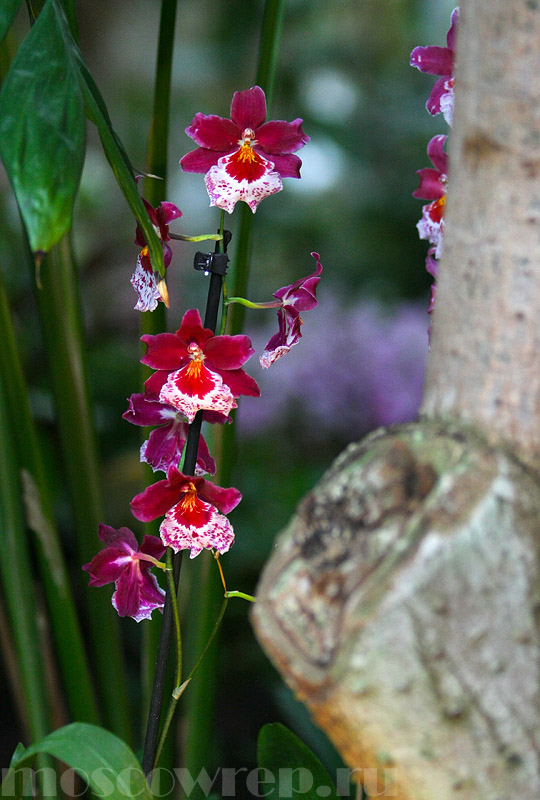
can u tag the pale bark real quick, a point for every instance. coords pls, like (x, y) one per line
(484, 364)
(402, 603)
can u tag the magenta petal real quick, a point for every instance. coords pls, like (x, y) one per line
(158, 498)
(437, 156)
(167, 212)
(191, 329)
(200, 160)
(163, 351)
(106, 566)
(430, 187)
(126, 598)
(451, 35)
(122, 538)
(240, 383)
(433, 60)
(223, 499)
(288, 166)
(280, 137)
(147, 411)
(163, 448)
(213, 132)
(433, 104)
(151, 546)
(248, 108)
(228, 352)
(150, 597)
(155, 382)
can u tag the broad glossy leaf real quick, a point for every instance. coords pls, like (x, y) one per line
(42, 129)
(295, 770)
(8, 9)
(103, 760)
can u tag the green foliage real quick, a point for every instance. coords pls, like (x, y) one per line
(42, 129)
(279, 749)
(8, 9)
(105, 762)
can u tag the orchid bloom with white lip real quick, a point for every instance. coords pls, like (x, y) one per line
(244, 157)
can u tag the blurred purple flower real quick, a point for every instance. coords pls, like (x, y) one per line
(359, 368)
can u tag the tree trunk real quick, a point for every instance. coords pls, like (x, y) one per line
(402, 603)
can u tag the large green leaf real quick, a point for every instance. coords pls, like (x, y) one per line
(8, 9)
(42, 129)
(293, 770)
(103, 760)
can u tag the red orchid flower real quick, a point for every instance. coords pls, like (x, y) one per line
(191, 506)
(244, 157)
(299, 296)
(143, 279)
(198, 370)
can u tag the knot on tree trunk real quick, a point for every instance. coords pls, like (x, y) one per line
(402, 604)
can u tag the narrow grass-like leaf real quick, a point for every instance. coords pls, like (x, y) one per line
(8, 10)
(42, 129)
(103, 760)
(17, 581)
(59, 307)
(64, 623)
(289, 761)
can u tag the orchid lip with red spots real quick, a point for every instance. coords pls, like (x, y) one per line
(245, 158)
(192, 507)
(198, 370)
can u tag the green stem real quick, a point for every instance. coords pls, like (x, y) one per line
(178, 670)
(243, 595)
(251, 304)
(200, 704)
(18, 581)
(156, 322)
(64, 622)
(62, 329)
(204, 237)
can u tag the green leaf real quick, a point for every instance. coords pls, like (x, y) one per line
(42, 129)
(8, 9)
(293, 770)
(103, 760)
(96, 111)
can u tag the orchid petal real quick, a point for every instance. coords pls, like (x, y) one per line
(213, 132)
(164, 351)
(280, 137)
(228, 352)
(248, 108)
(201, 159)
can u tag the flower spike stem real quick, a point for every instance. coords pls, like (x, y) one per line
(151, 747)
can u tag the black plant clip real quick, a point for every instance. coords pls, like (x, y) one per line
(214, 262)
